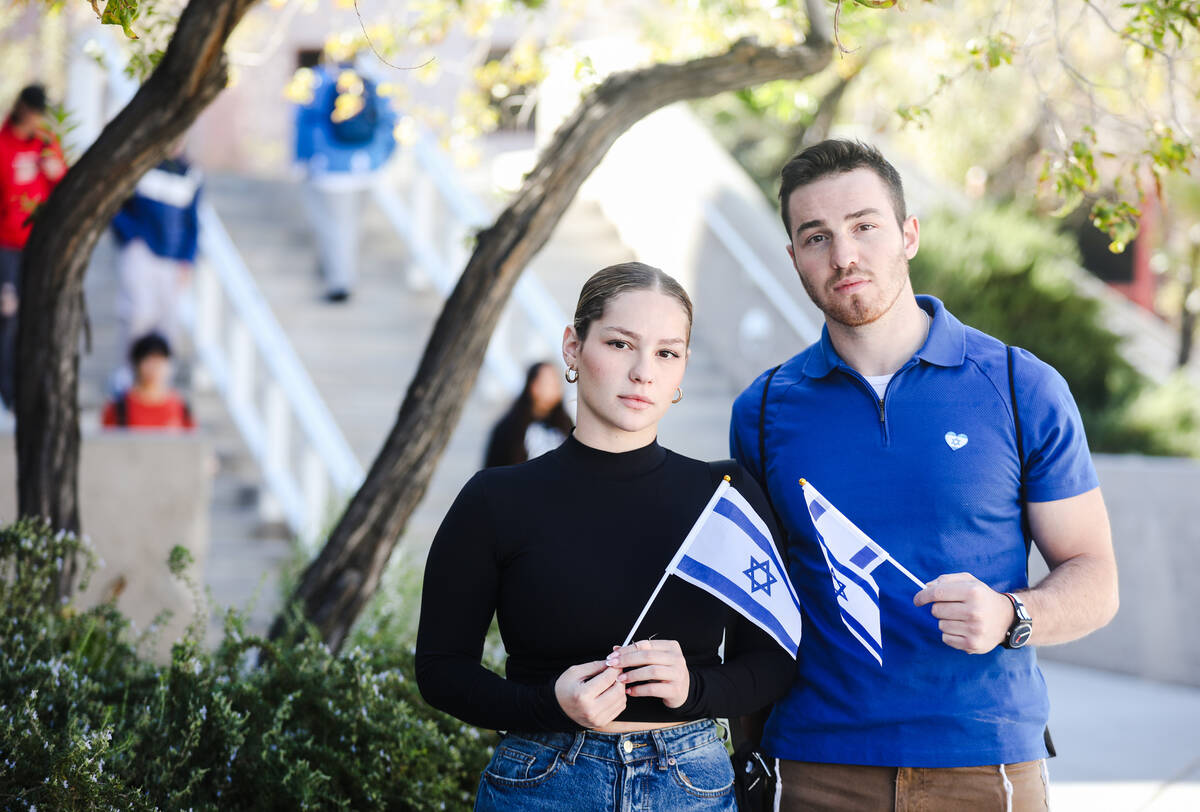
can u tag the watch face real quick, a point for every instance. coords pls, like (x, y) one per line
(1019, 635)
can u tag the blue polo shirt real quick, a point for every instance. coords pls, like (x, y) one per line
(930, 472)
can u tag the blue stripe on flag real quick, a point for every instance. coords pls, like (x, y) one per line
(863, 557)
(864, 635)
(734, 514)
(737, 595)
(816, 509)
(849, 573)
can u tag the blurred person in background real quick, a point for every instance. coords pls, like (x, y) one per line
(151, 403)
(31, 164)
(157, 229)
(534, 424)
(343, 138)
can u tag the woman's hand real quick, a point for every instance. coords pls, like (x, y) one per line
(659, 667)
(590, 693)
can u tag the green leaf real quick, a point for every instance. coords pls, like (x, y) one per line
(122, 13)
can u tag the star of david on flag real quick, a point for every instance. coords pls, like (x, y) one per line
(729, 553)
(767, 577)
(851, 556)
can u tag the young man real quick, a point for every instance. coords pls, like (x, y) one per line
(343, 139)
(903, 418)
(31, 163)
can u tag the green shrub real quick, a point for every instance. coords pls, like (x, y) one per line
(1009, 274)
(87, 722)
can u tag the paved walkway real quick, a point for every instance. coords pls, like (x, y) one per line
(1124, 743)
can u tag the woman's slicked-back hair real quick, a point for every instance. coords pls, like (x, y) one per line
(608, 283)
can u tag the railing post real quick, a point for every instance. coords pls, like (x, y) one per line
(241, 364)
(206, 296)
(314, 485)
(277, 415)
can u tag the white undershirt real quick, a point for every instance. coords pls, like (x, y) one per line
(879, 383)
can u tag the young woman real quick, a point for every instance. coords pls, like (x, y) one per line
(534, 424)
(565, 549)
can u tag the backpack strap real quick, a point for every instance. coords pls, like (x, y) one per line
(1012, 393)
(1028, 536)
(762, 442)
(722, 468)
(121, 409)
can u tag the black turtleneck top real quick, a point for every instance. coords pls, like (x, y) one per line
(565, 550)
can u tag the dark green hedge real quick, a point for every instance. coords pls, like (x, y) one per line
(1009, 274)
(86, 722)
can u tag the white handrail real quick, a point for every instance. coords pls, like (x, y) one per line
(759, 274)
(276, 351)
(443, 255)
(298, 482)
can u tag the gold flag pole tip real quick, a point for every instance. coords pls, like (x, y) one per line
(803, 482)
(726, 478)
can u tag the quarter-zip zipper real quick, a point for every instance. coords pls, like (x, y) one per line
(881, 402)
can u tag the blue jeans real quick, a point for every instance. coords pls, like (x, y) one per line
(676, 768)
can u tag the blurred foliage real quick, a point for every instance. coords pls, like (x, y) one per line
(1107, 86)
(88, 722)
(1009, 274)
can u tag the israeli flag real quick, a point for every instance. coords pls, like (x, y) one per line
(729, 553)
(851, 556)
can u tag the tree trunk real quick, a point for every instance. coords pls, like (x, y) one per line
(192, 72)
(337, 585)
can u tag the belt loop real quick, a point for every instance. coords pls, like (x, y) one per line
(576, 746)
(661, 747)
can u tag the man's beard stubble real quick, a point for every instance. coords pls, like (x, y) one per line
(856, 312)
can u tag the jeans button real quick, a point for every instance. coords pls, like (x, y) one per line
(671, 761)
(628, 745)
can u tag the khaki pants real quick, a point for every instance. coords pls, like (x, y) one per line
(807, 786)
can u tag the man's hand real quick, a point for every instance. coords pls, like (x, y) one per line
(972, 616)
(659, 665)
(590, 694)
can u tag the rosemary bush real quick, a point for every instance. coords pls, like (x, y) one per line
(88, 722)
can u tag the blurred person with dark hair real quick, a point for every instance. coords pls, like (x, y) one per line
(151, 403)
(31, 163)
(157, 229)
(534, 424)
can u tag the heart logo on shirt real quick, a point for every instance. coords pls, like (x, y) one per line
(955, 441)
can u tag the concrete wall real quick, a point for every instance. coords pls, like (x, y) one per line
(1154, 506)
(140, 495)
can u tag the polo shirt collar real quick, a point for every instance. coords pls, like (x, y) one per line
(945, 346)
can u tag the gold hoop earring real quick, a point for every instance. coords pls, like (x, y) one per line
(567, 374)
(678, 394)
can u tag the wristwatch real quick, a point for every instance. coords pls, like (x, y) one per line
(1022, 625)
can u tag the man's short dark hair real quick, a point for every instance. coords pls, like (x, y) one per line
(33, 97)
(147, 345)
(833, 157)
